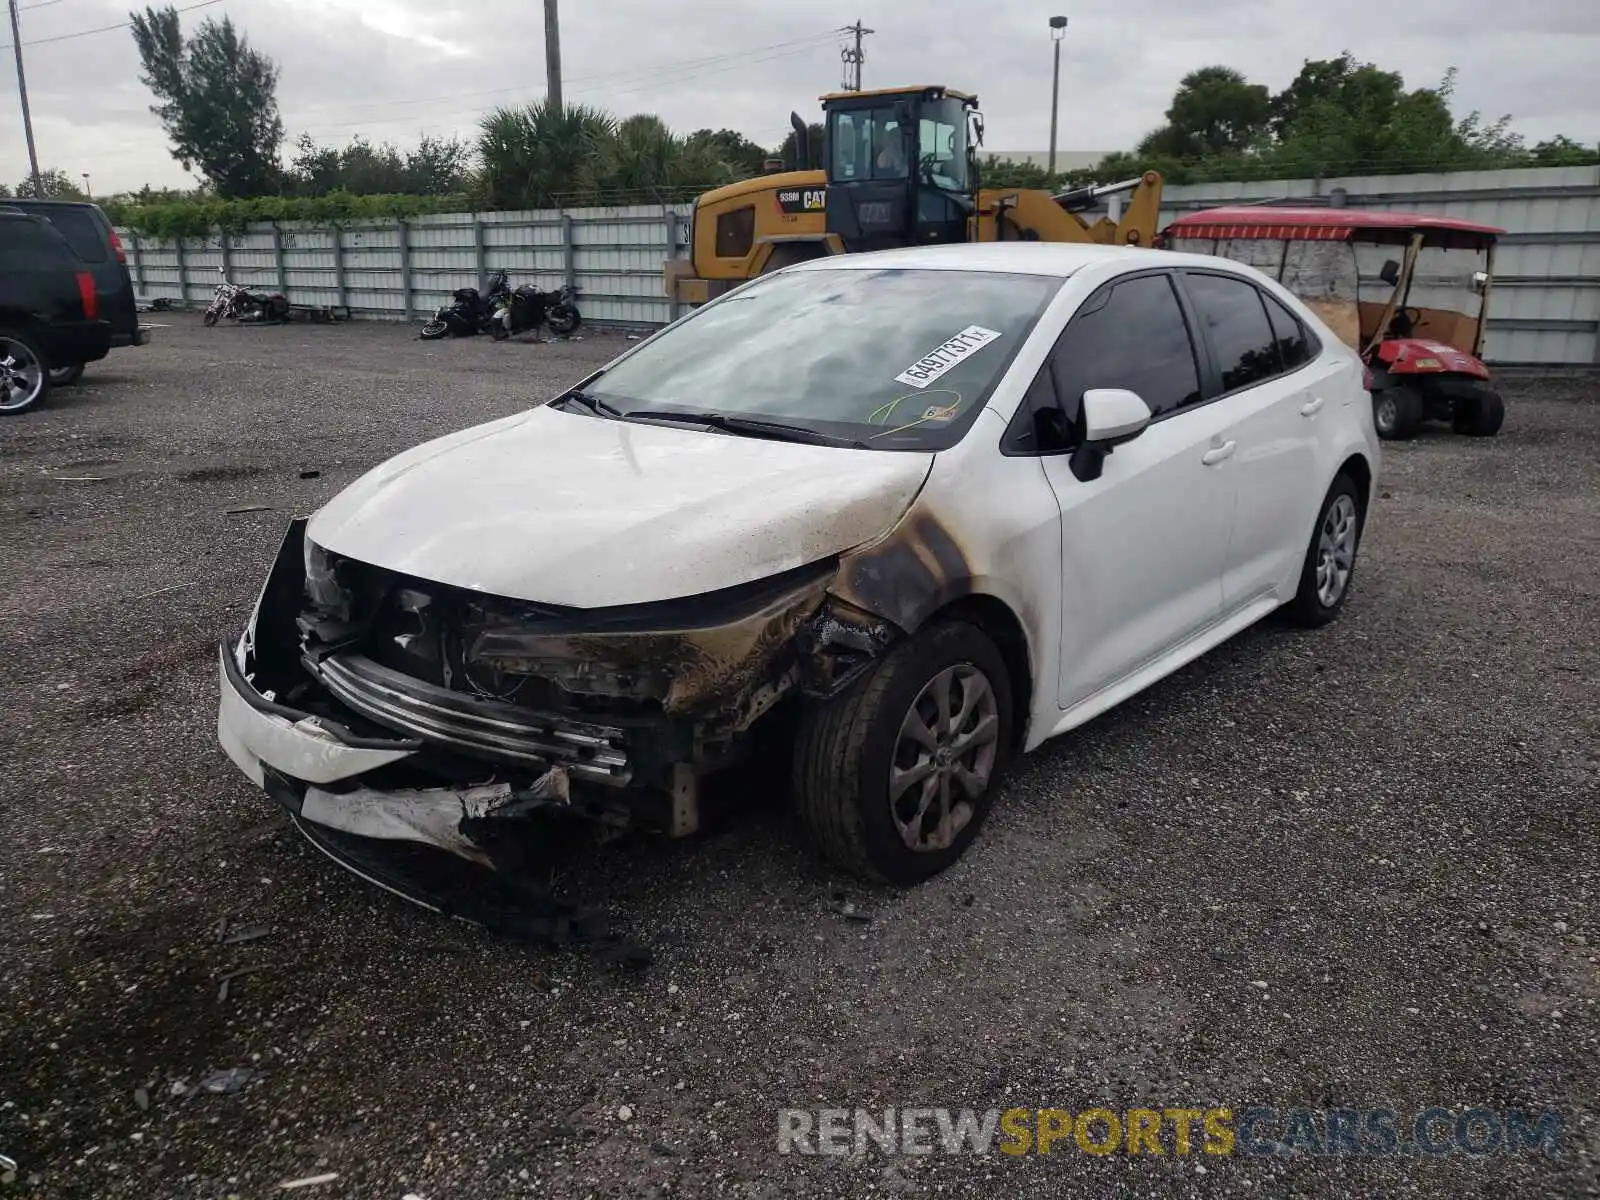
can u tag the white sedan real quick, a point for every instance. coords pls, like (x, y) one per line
(913, 512)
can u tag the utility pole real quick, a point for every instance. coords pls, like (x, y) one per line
(1058, 30)
(22, 90)
(552, 54)
(853, 57)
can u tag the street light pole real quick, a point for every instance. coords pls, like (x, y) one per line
(22, 89)
(1058, 30)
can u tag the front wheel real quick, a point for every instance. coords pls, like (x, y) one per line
(24, 378)
(1330, 560)
(210, 318)
(434, 330)
(564, 320)
(1397, 412)
(894, 778)
(62, 376)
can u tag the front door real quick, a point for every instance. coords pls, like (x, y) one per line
(1143, 546)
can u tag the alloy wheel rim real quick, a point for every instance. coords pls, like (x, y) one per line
(944, 757)
(1336, 550)
(21, 375)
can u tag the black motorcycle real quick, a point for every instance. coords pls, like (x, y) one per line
(528, 308)
(469, 312)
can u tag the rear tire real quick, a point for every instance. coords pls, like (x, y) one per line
(1480, 416)
(1330, 562)
(1397, 412)
(848, 750)
(564, 320)
(24, 373)
(62, 376)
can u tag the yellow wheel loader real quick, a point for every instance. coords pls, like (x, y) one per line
(901, 170)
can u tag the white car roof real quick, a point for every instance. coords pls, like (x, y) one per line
(1059, 259)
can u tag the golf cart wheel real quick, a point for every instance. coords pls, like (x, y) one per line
(1330, 560)
(893, 778)
(1397, 412)
(1480, 416)
(62, 376)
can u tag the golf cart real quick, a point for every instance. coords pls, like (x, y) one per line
(1422, 342)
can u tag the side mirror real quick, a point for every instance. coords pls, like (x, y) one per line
(1390, 273)
(1113, 415)
(1480, 282)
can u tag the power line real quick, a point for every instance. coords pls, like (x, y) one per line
(663, 72)
(67, 37)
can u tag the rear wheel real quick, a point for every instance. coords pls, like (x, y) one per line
(563, 320)
(1330, 560)
(24, 377)
(894, 779)
(61, 376)
(1397, 412)
(1480, 415)
(434, 330)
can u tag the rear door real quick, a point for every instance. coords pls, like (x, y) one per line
(1272, 392)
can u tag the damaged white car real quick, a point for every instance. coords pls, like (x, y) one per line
(918, 510)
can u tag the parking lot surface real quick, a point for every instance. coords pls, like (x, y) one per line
(1357, 868)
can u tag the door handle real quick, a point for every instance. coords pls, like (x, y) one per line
(1217, 453)
(1312, 407)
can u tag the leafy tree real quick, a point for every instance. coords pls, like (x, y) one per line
(1214, 111)
(1562, 151)
(5, 192)
(743, 157)
(218, 99)
(439, 166)
(815, 136)
(53, 185)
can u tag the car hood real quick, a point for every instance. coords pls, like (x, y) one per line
(575, 510)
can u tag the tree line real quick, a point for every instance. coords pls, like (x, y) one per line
(217, 103)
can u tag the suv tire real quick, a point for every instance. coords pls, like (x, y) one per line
(22, 362)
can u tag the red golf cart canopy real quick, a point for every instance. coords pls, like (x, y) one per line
(1330, 225)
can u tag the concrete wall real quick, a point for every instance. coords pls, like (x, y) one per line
(1545, 308)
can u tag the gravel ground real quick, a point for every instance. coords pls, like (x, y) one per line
(1353, 868)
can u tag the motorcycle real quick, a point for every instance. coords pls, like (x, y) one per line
(529, 308)
(469, 312)
(239, 303)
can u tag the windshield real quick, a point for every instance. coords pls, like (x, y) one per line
(893, 359)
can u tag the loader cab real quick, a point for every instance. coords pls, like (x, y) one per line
(901, 166)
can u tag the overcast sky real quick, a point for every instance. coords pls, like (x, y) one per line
(394, 69)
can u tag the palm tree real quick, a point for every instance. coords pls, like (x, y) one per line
(537, 155)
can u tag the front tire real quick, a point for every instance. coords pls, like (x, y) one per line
(210, 318)
(24, 375)
(1397, 412)
(1330, 560)
(894, 778)
(433, 331)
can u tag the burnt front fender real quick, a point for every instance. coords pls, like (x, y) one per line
(908, 575)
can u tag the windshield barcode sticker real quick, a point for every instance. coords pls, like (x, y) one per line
(943, 358)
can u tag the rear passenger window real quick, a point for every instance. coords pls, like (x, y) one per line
(1232, 313)
(29, 245)
(1137, 340)
(81, 232)
(1294, 344)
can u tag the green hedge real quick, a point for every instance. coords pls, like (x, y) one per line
(201, 217)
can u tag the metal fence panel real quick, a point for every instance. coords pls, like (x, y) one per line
(1545, 309)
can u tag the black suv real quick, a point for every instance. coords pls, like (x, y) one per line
(89, 232)
(50, 314)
